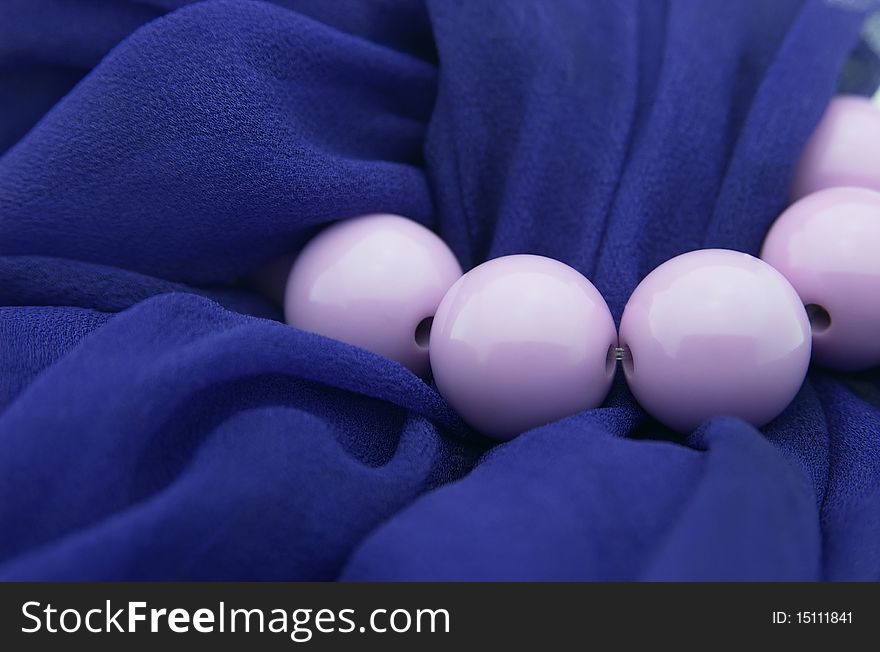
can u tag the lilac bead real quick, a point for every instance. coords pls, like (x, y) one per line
(844, 150)
(375, 282)
(521, 341)
(712, 333)
(828, 246)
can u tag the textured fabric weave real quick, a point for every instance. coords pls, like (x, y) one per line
(158, 422)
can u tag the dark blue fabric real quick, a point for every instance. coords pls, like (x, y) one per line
(158, 422)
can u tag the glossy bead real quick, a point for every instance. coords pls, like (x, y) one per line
(828, 246)
(844, 149)
(521, 341)
(373, 281)
(712, 333)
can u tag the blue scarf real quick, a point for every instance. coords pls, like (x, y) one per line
(157, 421)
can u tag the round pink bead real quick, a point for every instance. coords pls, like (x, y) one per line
(844, 150)
(373, 281)
(828, 246)
(521, 341)
(712, 333)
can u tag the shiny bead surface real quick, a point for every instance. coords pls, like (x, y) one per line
(712, 333)
(521, 341)
(373, 281)
(828, 246)
(844, 149)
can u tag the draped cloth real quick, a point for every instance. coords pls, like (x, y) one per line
(157, 419)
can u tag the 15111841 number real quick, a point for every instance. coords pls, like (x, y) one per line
(823, 617)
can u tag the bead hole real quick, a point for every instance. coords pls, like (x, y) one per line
(423, 332)
(626, 360)
(621, 354)
(820, 320)
(611, 360)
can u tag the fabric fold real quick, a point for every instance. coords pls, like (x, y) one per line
(157, 421)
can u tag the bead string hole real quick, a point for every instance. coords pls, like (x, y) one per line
(625, 356)
(611, 361)
(423, 332)
(820, 320)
